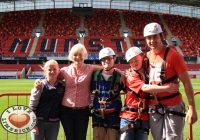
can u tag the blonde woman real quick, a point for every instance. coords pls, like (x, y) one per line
(75, 104)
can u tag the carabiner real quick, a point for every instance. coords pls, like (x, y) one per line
(141, 101)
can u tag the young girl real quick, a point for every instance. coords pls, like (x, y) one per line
(46, 103)
(134, 115)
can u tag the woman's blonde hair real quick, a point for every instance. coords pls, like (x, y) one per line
(78, 48)
(47, 63)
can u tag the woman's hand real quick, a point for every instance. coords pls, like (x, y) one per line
(35, 130)
(127, 72)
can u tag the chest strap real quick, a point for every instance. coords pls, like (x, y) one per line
(112, 95)
(162, 72)
(168, 80)
(126, 108)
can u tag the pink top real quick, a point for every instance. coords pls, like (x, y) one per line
(77, 93)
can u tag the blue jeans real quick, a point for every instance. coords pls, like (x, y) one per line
(47, 130)
(75, 122)
(134, 133)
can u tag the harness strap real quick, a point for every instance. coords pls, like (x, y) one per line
(161, 110)
(126, 108)
(162, 73)
(137, 95)
(176, 113)
(98, 113)
(165, 97)
(110, 92)
(168, 80)
(146, 69)
(126, 127)
(108, 126)
(132, 125)
(102, 113)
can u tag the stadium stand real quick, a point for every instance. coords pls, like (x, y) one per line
(103, 30)
(136, 20)
(103, 23)
(59, 22)
(95, 43)
(16, 41)
(15, 32)
(55, 45)
(187, 30)
(17, 46)
(10, 71)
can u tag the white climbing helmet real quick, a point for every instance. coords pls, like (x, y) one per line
(106, 52)
(132, 52)
(151, 29)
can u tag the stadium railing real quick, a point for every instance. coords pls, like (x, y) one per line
(25, 101)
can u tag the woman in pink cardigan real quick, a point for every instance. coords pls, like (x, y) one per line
(74, 113)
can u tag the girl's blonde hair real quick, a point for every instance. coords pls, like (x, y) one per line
(47, 63)
(78, 48)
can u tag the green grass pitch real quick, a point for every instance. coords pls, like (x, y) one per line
(23, 85)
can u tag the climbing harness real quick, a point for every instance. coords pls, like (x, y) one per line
(159, 108)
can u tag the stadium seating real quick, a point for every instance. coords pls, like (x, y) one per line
(136, 21)
(59, 22)
(19, 23)
(187, 30)
(17, 46)
(103, 30)
(16, 26)
(103, 23)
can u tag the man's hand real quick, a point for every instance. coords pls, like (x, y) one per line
(191, 115)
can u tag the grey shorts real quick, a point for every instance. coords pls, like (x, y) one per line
(167, 126)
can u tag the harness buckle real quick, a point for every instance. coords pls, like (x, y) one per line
(102, 104)
(151, 111)
(139, 112)
(141, 103)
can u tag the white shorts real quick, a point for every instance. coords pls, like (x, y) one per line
(167, 126)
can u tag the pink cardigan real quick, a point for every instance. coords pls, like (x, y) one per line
(77, 87)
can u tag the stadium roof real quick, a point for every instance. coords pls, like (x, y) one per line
(181, 2)
(195, 3)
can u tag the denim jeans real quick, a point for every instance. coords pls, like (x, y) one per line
(75, 122)
(134, 133)
(47, 130)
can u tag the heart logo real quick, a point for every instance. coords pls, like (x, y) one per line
(19, 120)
